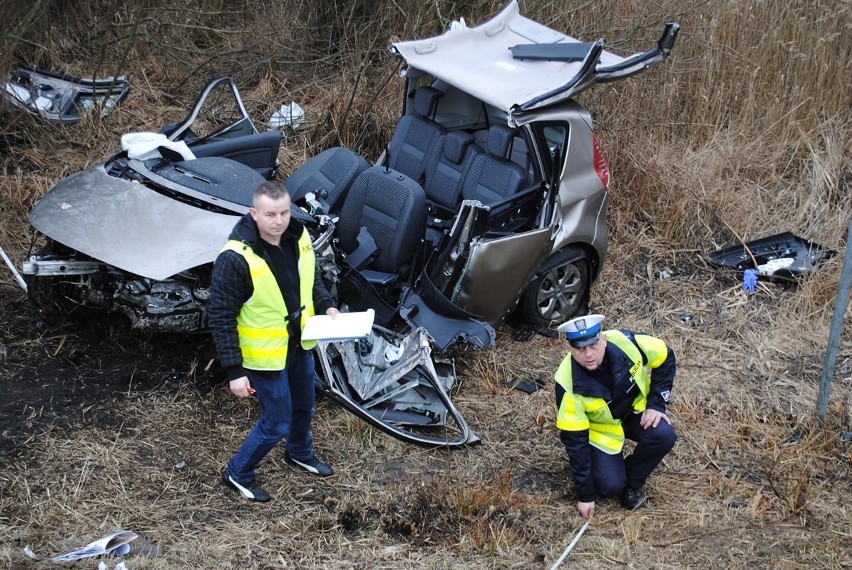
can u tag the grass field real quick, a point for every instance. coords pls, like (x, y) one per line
(744, 132)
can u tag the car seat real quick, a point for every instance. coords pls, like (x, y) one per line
(387, 208)
(446, 169)
(329, 175)
(415, 136)
(492, 177)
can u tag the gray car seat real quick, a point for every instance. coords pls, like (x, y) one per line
(391, 207)
(447, 167)
(330, 172)
(416, 135)
(492, 177)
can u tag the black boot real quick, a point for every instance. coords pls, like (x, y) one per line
(632, 499)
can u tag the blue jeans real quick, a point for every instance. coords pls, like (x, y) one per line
(612, 473)
(286, 401)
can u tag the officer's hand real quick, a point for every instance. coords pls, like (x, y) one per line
(332, 312)
(587, 510)
(241, 387)
(651, 418)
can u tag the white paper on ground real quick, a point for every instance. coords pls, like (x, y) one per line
(346, 326)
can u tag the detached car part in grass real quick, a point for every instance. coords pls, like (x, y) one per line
(489, 201)
(60, 97)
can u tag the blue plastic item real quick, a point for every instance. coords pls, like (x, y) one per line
(750, 281)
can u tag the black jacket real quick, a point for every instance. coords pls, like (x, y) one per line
(231, 287)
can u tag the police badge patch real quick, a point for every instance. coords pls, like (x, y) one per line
(667, 395)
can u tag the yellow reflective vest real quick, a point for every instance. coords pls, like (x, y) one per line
(578, 412)
(262, 321)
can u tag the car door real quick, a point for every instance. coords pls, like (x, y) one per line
(219, 125)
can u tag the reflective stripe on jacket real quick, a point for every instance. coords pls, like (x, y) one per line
(262, 321)
(578, 412)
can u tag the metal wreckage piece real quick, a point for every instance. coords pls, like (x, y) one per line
(63, 98)
(394, 382)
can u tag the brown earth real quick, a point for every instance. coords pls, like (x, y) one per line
(104, 429)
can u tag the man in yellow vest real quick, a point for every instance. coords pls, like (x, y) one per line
(264, 288)
(613, 385)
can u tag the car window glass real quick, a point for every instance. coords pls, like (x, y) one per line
(554, 138)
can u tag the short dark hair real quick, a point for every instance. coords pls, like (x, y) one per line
(271, 188)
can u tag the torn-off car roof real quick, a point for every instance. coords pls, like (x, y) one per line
(480, 60)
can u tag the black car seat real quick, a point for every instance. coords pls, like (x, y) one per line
(329, 175)
(387, 208)
(492, 177)
(447, 167)
(416, 135)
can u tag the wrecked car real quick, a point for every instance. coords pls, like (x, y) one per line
(489, 202)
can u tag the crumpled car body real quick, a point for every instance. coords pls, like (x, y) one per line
(489, 203)
(63, 98)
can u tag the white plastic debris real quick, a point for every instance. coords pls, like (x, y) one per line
(458, 25)
(117, 543)
(288, 116)
(774, 265)
(146, 145)
(28, 552)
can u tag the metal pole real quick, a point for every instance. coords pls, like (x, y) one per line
(570, 546)
(11, 265)
(836, 328)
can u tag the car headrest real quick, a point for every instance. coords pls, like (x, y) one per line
(500, 139)
(425, 100)
(455, 145)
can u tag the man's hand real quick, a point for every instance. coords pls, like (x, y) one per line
(587, 510)
(332, 312)
(241, 387)
(651, 418)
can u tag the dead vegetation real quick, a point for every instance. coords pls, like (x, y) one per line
(745, 132)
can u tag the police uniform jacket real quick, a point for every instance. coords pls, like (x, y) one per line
(601, 398)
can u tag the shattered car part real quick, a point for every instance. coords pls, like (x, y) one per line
(489, 203)
(63, 98)
(781, 256)
(394, 383)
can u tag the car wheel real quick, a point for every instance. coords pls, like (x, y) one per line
(559, 290)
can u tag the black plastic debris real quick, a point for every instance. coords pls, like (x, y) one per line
(63, 98)
(782, 256)
(525, 385)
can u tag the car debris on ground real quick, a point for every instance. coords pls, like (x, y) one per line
(60, 97)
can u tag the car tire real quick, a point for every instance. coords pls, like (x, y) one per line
(559, 290)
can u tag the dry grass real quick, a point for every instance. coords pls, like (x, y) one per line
(743, 133)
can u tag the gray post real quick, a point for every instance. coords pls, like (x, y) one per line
(836, 327)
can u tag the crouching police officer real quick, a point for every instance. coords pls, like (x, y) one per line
(613, 384)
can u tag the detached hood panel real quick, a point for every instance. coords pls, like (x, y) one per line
(130, 226)
(547, 68)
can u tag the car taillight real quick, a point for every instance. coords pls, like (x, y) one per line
(600, 162)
